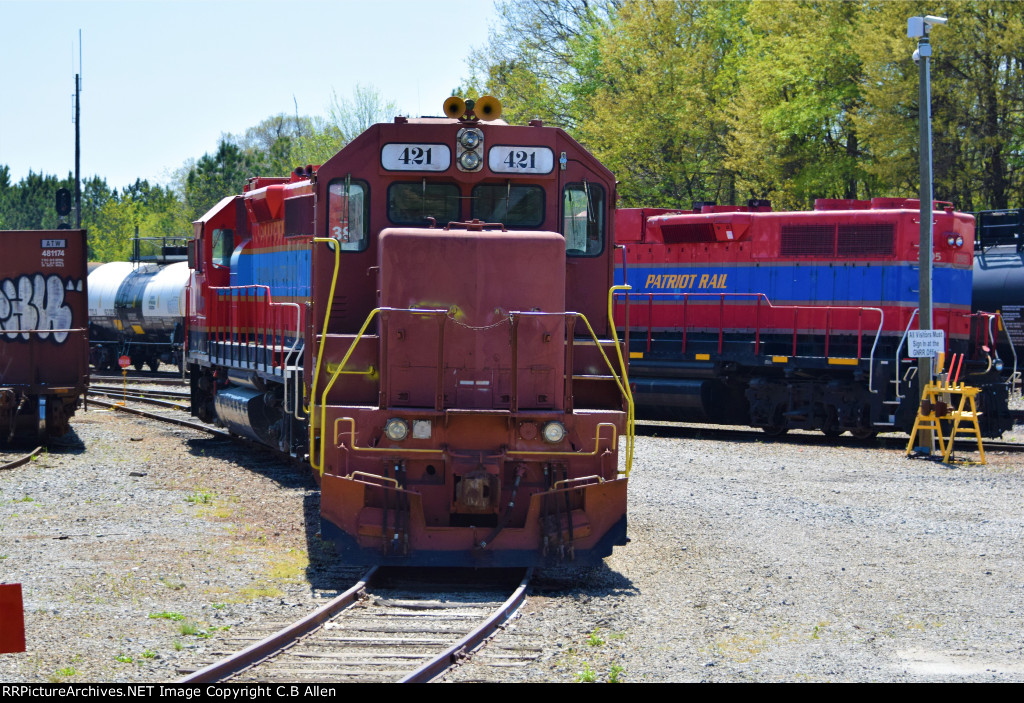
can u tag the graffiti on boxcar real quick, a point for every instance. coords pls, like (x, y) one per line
(36, 303)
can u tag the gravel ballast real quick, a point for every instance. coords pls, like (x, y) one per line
(749, 561)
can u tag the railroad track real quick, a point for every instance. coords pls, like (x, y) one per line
(21, 460)
(747, 434)
(142, 379)
(119, 407)
(392, 626)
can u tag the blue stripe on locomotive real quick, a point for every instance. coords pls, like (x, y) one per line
(286, 272)
(817, 284)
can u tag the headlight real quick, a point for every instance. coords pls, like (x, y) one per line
(396, 429)
(554, 432)
(470, 139)
(469, 160)
(999, 364)
(950, 240)
(959, 241)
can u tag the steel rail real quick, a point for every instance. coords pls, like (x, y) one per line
(135, 389)
(153, 380)
(163, 418)
(21, 461)
(140, 397)
(461, 649)
(280, 640)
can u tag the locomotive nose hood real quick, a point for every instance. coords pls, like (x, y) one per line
(482, 278)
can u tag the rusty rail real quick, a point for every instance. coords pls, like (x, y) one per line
(240, 661)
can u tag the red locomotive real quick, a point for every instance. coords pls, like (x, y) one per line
(427, 317)
(44, 339)
(795, 320)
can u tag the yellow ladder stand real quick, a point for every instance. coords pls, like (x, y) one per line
(937, 400)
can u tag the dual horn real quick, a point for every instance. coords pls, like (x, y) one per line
(486, 108)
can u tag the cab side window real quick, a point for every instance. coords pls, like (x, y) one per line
(222, 245)
(583, 219)
(347, 214)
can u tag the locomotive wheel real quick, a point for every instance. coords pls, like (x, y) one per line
(832, 432)
(154, 365)
(775, 430)
(864, 435)
(139, 364)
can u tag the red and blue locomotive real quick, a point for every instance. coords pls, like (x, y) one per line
(426, 316)
(796, 320)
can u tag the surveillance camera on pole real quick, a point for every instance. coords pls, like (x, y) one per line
(919, 28)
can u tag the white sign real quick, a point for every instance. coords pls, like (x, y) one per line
(924, 343)
(520, 159)
(416, 157)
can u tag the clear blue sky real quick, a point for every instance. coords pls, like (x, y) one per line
(162, 80)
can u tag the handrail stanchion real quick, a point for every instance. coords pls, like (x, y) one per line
(650, 319)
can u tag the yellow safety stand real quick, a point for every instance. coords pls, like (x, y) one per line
(937, 405)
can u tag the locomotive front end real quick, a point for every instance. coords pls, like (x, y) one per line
(427, 317)
(475, 454)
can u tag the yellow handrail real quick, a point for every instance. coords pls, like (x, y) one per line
(327, 316)
(627, 391)
(323, 400)
(623, 385)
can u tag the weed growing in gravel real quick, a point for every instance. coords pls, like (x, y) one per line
(178, 646)
(123, 658)
(66, 672)
(199, 498)
(166, 616)
(189, 628)
(595, 639)
(614, 674)
(219, 606)
(587, 675)
(148, 654)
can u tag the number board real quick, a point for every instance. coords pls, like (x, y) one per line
(521, 159)
(416, 157)
(923, 343)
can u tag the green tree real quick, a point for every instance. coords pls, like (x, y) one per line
(658, 106)
(798, 83)
(215, 176)
(534, 58)
(977, 76)
(346, 119)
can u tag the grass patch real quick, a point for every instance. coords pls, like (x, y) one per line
(289, 565)
(587, 675)
(166, 616)
(199, 498)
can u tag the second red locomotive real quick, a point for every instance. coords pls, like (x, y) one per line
(796, 320)
(427, 317)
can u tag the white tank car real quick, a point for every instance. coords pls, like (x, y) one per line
(137, 310)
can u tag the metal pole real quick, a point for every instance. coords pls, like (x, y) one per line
(78, 153)
(924, 364)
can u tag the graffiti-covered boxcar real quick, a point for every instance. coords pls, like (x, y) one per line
(44, 343)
